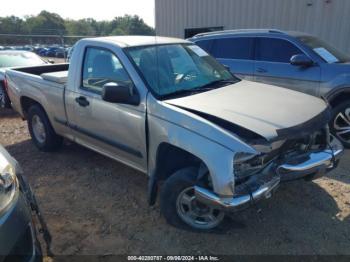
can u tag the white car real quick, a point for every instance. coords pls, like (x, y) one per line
(11, 58)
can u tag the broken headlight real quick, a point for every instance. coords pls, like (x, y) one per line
(8, 184)
(246, 164)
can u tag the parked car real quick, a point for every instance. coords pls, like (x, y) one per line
(289, 59)
(38, 48)
(61, 52)
(51, 51)
(9, 48)
(70, 52)
(42, 51)
(18, 211)
(12, 59)
(166, 108)
(28, 48)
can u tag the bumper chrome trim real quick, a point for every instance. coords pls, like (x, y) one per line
(316, 162)
(237, 202)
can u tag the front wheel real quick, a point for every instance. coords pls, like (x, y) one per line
(340, 123)
(180, 206)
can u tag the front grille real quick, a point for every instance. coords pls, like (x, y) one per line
(314, 142)
(288, 150)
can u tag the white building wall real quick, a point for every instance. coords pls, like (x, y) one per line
(327, 19)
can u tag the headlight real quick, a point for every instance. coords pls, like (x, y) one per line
(8, 185)
(245, 164)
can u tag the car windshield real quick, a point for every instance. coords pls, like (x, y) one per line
(178, 68)
(14, 59)
(327, 52)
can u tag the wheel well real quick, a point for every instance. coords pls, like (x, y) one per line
(169, 159)
(339, 98)
(26, 103)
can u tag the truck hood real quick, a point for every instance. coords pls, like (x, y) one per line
(271, 112)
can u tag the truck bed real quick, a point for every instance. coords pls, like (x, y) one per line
(59, 77)
(57, 73)
(43, 84)
(39, 70)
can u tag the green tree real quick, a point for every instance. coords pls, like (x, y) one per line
(45, 23)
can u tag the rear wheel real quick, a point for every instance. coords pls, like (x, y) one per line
(180, 206)
(41, 131)
(4, 99)
(340, 123)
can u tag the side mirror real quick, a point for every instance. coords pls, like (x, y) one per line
(301, 60)
(50, 61)
(114, 93)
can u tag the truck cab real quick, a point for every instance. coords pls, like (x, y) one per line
(164, 106)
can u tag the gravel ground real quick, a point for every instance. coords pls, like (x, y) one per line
(94, 205)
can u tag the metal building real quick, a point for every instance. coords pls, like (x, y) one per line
(327, 19)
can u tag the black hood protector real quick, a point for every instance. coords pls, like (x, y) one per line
(306, 128)
(294, 132)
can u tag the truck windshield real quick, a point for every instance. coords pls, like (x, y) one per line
(327, 52)
(178, 68)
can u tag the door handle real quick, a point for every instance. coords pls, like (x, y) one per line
(261, 70)
(82, 101)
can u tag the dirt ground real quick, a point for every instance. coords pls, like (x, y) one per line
(94, 205)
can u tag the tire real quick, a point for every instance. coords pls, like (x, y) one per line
(340, 122)
(5, 101)
(46, 138)
(173, 190)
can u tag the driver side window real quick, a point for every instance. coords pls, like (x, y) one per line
(101, 67)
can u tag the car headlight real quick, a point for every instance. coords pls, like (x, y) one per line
(246, 164)
(8, 185)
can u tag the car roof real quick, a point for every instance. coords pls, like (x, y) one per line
(130, 41)
(14, 52)
(250, 32)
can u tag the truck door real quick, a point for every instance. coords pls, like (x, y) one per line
(115, 130)
(273, 66)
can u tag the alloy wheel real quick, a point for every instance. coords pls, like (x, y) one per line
(38, 129)
(341, 125)
(196, 214)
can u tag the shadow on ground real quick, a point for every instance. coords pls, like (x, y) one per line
(8, 113)
(94, 205)
(342, 173)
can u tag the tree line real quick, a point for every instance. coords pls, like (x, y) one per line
(46, 23)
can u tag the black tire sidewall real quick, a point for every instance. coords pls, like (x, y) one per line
(173, 186)
(52, 140)
(335, 111)
(5, 98)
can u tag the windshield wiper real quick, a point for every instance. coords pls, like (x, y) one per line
(216, 84)
(207, 87)
(180, 93)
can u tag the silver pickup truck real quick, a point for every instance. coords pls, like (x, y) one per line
(163, 106)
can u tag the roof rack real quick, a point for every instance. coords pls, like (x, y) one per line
(275, 31)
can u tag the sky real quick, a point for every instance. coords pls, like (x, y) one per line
(97, 9)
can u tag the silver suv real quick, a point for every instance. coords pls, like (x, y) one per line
(288, 59)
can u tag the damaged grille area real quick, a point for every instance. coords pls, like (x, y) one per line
(290, 149)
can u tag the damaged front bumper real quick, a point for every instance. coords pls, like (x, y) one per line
(262, 185)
